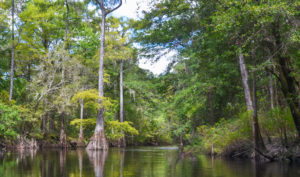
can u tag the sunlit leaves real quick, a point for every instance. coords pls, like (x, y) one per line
(114, 130)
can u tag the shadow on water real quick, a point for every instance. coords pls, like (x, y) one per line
(133, 162)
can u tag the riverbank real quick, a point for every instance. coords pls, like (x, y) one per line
(72, 143)
(232, 138)
(243, 149)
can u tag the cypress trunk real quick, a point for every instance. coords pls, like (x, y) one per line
(80, 142)
(12, 50)
(122, 142)
(98, 140)
(63, 136)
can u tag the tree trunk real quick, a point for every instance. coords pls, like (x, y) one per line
(121, 91)
(67, 25)
(271, 91)
(81, 118)
(244, 75)
(289, 84)
(51, 121)
(258, 141)
(98, 140)
(63, 136)
(122, 142)
(12, 50)
(44, 124)
(80, 142)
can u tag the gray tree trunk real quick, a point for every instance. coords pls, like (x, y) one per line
(121, 91)
(81, 118)
(63, 136)
(80, 142)
(122, 142)
(98, 141)
(12, 50)
(67, 25)
(244, 74)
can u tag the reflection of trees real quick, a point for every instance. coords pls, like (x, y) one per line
(98, 158)
(23, 153)
(62, 161)
(43, 165)
(80, 153)
(122, 156)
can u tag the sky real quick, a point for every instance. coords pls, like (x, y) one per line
(133, 9)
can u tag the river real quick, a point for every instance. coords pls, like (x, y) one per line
(134, 162)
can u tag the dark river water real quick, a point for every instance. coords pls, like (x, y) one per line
(133, 162)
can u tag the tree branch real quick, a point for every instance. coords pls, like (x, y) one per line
(109, 11)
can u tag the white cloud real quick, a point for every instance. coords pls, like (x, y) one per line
(160, 66)
(132, 8)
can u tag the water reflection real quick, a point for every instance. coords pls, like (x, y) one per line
(97, 158)
(133, 162)
(79, 154)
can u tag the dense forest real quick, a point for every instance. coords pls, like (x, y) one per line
(70, 76)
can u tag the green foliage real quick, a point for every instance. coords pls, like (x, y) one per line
(4, 97)
(225, 133)
(57, 57)
(86, 96)
(9, 120)
(114, 130)
(278, 122)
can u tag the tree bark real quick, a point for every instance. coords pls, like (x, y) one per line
(67, 25)
(122, 142)
(98, 140)
(271, 87)
(51, 121)
(81, 118)
(63, 136)
(258, 141)
(121, 91)
(44, 124)
(244, 74)
(12, 50)
(80, 142)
